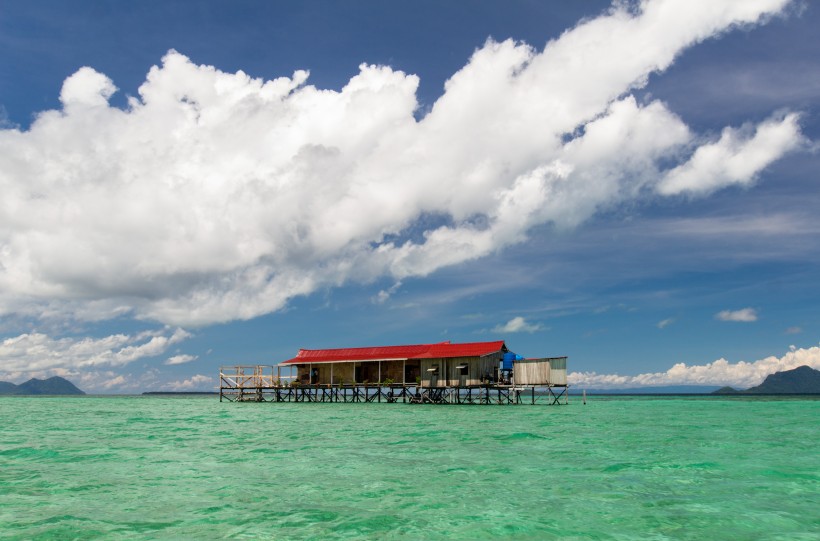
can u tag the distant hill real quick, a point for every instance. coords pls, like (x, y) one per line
(51, 386)
(801, 380)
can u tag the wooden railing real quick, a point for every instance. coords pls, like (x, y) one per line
(252, 376)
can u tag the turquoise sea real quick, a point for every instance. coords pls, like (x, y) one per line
(616, 468)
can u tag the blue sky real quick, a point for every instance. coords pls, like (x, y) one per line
(639, 194)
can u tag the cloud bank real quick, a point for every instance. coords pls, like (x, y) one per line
(215, 196)
(96, 364)
(197, 382)
(94, 381)
(721, 372)
(39, 353)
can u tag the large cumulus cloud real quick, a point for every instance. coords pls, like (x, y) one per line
(38, 352)
(215, 196)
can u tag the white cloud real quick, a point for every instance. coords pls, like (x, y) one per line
(181, 359)
(745, 315)
(720, 372)
(86, 88)
(216, 196)
(197, 382)
(5, 123)
(518, 324)
(33, 352)
(793, 330)
(385, 294)
(665, 323)
(91, 381)
(736, 158)
(95, 381)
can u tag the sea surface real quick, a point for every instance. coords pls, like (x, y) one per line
(620, 468)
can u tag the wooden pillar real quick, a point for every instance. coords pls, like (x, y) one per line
(331, 374)
(380, 371)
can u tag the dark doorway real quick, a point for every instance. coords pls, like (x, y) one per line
(368, 372)
(412, 370)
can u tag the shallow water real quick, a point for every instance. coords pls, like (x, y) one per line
(617, 468)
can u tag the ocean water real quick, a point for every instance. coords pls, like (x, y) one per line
(616, 468)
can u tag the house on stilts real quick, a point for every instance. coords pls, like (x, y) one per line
(439, 373)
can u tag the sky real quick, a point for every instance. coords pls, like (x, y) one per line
(189, 185)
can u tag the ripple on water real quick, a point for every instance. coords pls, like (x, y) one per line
(136, 468)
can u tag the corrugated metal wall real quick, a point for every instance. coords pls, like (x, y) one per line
(558, 371)
(531, 372)
(552, 371)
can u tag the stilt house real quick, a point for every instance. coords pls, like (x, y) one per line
(443, 364)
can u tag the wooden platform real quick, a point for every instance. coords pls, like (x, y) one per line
(260, 384)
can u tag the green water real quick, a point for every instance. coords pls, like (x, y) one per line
(619, 468)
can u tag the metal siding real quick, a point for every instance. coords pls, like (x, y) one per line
(531, 372)
(558, 370)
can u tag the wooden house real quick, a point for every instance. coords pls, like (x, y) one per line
(442, 364)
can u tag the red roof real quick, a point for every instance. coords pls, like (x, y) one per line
(385, 353)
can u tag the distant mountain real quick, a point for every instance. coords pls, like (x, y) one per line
(51, 386)
(801, 380)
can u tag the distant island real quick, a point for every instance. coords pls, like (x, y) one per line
(801, 380)
(51, 386)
